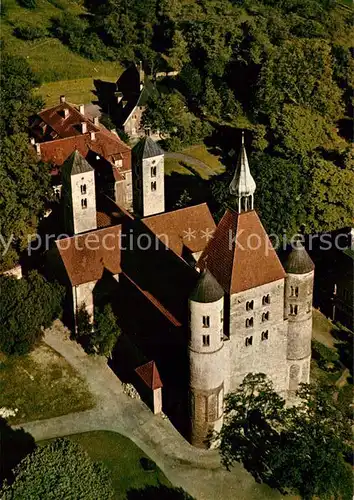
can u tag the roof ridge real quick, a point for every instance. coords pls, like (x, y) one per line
(174, 211)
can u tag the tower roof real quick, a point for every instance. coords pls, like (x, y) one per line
(150, 375)
(240, 255)
(298, 260)
(242, 183)
(147, 148)
(207, 289)
(76, 164)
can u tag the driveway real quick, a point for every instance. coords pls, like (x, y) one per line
(197, 471)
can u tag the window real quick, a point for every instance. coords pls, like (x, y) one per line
(296, 291)
(248, 341)
(206, 321)
(222, 316)
(206, 340)
(265, 316)
(83, 188)
(153, 186)
(266, 299)
(153, 171)
(291, 291)
(249, 322)
(84, 203)
(249, 305)
(264, 335)
(293, 309)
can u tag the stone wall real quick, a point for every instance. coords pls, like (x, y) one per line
(83, 200)
(83, 294)
(266, 347)
(153, 199)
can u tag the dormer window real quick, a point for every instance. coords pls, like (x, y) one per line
(153, 171)
(206, 321)
(83, 188)
(249, 322)
(84, 203)
(249, 305)
(266, 299)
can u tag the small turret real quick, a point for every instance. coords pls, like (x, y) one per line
(298, 311)
(243, 185)
(206, 357)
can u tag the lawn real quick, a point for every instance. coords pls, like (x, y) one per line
(172, 165)
(200, 152)
(41, 385)
(49, 58)
(122, 458)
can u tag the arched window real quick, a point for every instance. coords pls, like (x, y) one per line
(293, 309)
(266, 299)
(206, 321)
(264, 335)
(296, 291)
(248, 341)
(206, 340)
(265, 316)
(249, 305)
(153, 186)
(153, 171)
(249, 322)
(84, 203)
(83, 188)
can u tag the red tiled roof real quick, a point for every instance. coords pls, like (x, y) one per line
(189, 227)
(105, 144)
(150, 375)
(85, 256)
(155, 302)
(241, 256)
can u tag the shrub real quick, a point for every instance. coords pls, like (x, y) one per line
(327, 359)
(30, 32)
(28, 4)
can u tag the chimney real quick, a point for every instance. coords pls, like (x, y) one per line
(119, 96)
(33, 141)
(141, 86)
(113, 131)
(83, 127)
(96, 121)
(66, 112)
(62, 99)
(38, 149)
(93, 136)
(82, 109)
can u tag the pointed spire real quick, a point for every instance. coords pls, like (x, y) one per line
(243, 185)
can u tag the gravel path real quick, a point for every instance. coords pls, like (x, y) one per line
(197, 471)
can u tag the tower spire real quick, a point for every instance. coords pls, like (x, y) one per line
(243, 185)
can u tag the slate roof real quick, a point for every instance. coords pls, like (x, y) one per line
(147, 148)
(85, 256)
(189, 227)
(207, 289)
(150, 375)
(76, 164)
(241, 256)
(298, 260)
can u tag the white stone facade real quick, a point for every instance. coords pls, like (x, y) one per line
(152, 185)
(83, 199)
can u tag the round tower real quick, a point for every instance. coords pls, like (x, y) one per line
(298, 311)
(206, 359)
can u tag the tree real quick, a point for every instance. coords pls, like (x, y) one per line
(106, 331)
(26, 306)
(17, 103)
(299, 449)
(60, 469)
(25, 189)
(160, 492)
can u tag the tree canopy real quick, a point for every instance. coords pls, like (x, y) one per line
(299, 449)
(60, 469)
(26, 305)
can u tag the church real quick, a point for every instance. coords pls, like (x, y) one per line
(202, 304)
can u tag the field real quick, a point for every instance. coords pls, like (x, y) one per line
(41, 385)
(186, 166)
(53, 62)
(122, 458)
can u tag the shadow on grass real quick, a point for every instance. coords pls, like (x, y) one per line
(160, 492)
(14, 446)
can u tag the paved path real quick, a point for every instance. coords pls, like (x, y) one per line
(198, 471)
(192, 161)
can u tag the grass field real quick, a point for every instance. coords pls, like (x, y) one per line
(49, 58)
(122, 458)
(41, 385)
(199, 152)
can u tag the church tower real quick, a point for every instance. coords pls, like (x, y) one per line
(298, 311)
(206, 359)
(148, 178)
(79, 194)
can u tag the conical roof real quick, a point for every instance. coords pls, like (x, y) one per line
(298, 260)
(76, 164)
(207, 289)
(147, 148)
(242, 183)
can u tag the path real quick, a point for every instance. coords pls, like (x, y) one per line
(197, 471)
(191, 160)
